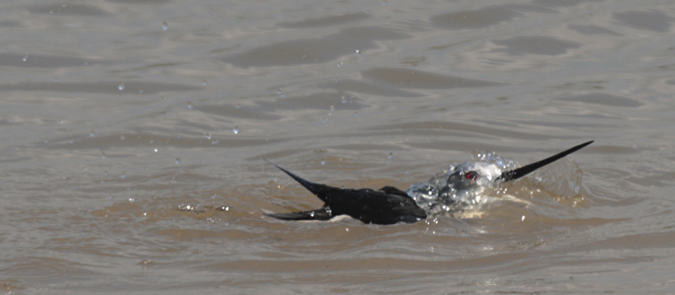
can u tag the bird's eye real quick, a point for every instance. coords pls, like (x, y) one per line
(471, 175)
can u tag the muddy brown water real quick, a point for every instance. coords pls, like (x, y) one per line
(132, 135)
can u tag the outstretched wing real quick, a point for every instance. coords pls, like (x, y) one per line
(386, 206)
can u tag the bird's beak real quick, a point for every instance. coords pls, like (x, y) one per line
(527, 169)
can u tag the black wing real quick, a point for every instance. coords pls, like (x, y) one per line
(386, 206)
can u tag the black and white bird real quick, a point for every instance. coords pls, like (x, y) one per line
(452, 189)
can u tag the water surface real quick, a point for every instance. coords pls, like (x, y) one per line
(133, 132)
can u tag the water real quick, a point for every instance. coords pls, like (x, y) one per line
(431, 83)
(450, 192)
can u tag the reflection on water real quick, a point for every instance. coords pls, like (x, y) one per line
(133, 134)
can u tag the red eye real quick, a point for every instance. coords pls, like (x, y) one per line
(471, 175)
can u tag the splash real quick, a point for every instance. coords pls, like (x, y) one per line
(462, 185)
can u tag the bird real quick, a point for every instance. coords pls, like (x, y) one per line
(390, 205)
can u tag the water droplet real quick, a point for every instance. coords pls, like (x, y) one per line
(165, 26)
(120, 86)
(190, 106)
(236, 129)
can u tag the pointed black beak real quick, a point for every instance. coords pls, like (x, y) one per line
(527, 169)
